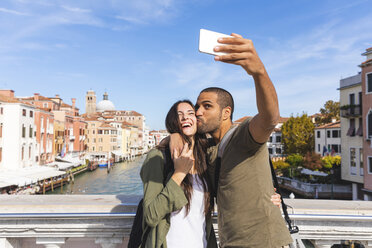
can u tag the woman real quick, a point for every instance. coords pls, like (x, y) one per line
(177, 212)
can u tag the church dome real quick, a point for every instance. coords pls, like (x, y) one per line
(105, 104)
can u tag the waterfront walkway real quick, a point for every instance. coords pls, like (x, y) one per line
(95, 221)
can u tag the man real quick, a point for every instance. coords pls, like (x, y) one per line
(246, 216)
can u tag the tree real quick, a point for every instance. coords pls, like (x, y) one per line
(330, 111)
(298, 135)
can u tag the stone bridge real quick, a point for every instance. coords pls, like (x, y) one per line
(104, 221)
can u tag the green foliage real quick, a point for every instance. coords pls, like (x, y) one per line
(298, 135)
(312, 161)
(295, 160)
(329, 161)
(331, 110)
(280, 165)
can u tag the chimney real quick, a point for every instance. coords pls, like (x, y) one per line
(57, 96)
(73, 102)
(7, 93)
(36, 96)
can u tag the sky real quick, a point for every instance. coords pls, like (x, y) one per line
(144, 53)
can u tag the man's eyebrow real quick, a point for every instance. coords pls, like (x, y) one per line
(206, 101)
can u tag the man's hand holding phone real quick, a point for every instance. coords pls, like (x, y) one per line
(234, 49)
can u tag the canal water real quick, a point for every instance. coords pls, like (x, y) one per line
(123, 179)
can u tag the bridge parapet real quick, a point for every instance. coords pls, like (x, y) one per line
(104, 221)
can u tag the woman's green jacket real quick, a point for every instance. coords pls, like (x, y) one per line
(160, 201)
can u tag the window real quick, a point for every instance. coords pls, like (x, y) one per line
(1, 130)
(29, 152)
(94, 140)
(369, 82)
(351, 131)
(278, 139)
(352, 99)
(23, 153)
(352, 161)
(24, 112)
(369, 118)
(335, 148)
(30, 132)
(100, 140)
(318, 134)
(45, 105)
(31, 114)
(328, 134)
(278, 150)
(271, 139)
(1, 154)
(100, 148)
(93, 148)
(369, 165)
(318, 147)
(23, 131)
(361, 161)
(360, 128)
(107, 131)
(335, 134)
(1, 110)
(99, 132)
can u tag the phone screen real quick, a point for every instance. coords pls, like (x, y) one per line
(208, 40)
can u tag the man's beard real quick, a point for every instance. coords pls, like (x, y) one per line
(209, 127)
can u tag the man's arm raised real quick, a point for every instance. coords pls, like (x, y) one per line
(242, 52)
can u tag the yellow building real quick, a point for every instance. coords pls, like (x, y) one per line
(59, 136)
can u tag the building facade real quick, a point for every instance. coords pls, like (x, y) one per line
(366, 79)
(17, 132)
(352, 168)
(328, 139)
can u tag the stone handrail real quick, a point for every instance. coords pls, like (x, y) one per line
(95, 221)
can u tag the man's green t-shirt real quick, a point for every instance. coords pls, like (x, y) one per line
(246, 215)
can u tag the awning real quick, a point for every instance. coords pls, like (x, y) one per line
(313, 173)
(28, 176)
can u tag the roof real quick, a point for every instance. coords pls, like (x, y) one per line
(65, 105)
(8, 99)
(336, 124)
(32, 98)
(105, 125)
(367, 62)
(127, 124)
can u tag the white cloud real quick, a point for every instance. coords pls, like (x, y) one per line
(13, 12)
(74, 9)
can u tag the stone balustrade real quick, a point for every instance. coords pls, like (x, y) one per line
(104, 221)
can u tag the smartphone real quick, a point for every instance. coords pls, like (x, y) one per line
(208, 41)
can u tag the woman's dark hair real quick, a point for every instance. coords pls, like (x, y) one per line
(173, 125)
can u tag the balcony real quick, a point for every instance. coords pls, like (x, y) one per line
(351, 111)
(104, 221)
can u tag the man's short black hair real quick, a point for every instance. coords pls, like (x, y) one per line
(224, 98)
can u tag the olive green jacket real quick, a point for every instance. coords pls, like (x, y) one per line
(160, 201)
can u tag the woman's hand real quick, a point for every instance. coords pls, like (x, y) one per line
(175, 143)
(276, 199)
(182, 163)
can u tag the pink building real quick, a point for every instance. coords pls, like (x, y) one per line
(366, 76)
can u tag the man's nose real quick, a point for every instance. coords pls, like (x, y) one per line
(199, 112)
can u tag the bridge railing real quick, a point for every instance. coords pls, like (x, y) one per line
(95, 221)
